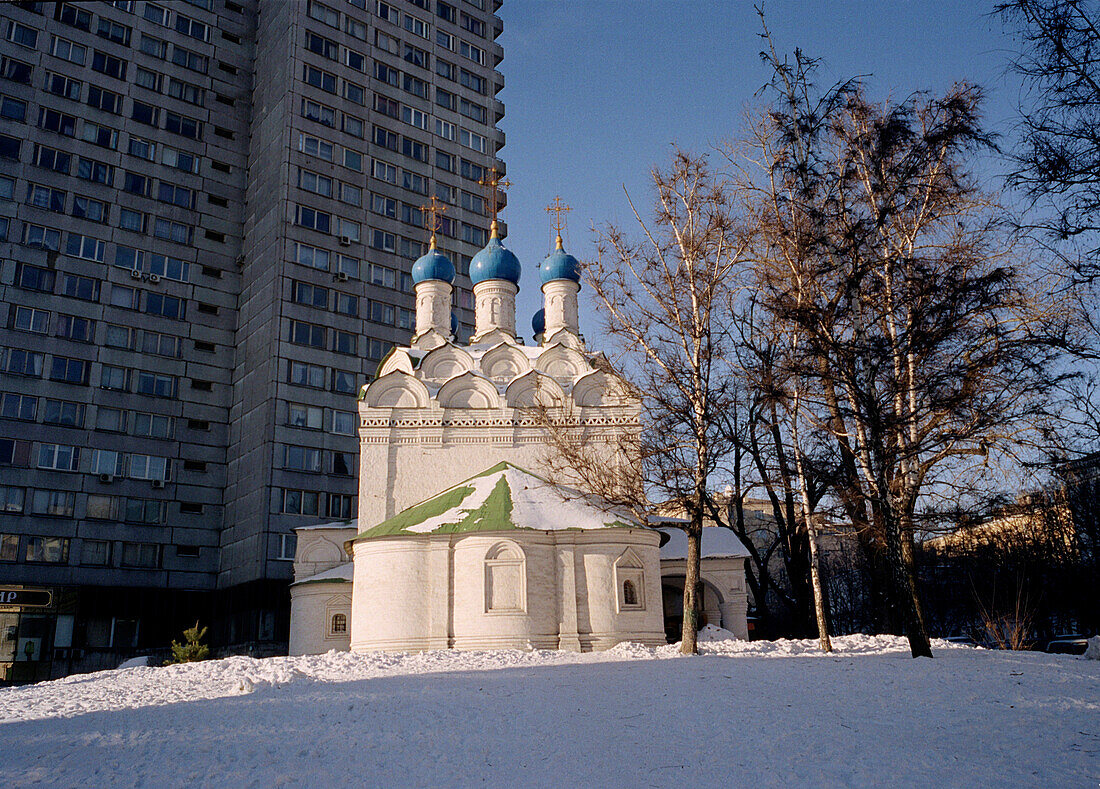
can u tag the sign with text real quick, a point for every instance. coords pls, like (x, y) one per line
(26, 598)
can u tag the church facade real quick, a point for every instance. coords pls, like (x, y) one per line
(460, 541)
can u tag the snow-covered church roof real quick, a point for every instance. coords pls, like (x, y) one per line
(503, 498)
(718, 543)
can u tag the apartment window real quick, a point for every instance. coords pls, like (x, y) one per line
(182, 125)
(472, 141)
(300, 502)
(22, 35)
(53, 503)
(416, 56)
(45, 197)
(51, 159)
(39, 236)
(444, 129)
(9, 547)
(384, 171)
(190, 60)
(346, 264)
(386, 242)
(95, 553)
(91, 170)
(70, 371)
(52, 120)
(113, 31)
(13, 109)
(315, 182)
(145, 511)
(129, 258)
(145, 113)
(105, 461)
(164, 305)
(311, 256)
(152, 425)
(53, 550)
(414, 149)
(385, 138)
(172, 231)
(80, 287)
(140, 554)
(85, 247)
(112, 420)
(73, 327)
(470, 52)
(472, 81)
(310, 295)
(305, 216)
(387, 43)
(298, 458)
(355, 93)
(318, 78)
(344, 423)
(417, 27)
(159, 344)
(352, 195)
(387, 12)
(305, 416)
(303, 374)
(58, 457)
(288, 544)
(386, 206)
(340, 505)
(36, 278)
(11, 499)
(117, 336)
(156, 384)
(68, 50)
(343, 463)
(192, 28)
(60, 85)
(315, 147)
(16, 406)
(415, 117)
(355, 60)
(322, 13)
(386, 74)
(150, 80)
(169, 268)
(181, 160)
(155, 47)
(7, 188)
(308, 334)
(63, 412)
(109, 65)
(473, 111)
(354, 126)
(444, 161)
(415, 86)
(116, 378)
(88, 208)
(356, 28)
(149, 467)
(167, 192)
(30, 319)
(321, 45)
(15, 70)
(313, 111)
(157, 15)
(345, 342)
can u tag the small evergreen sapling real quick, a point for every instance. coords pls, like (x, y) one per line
(192, 649)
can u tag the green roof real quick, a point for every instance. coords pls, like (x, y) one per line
(502, 498)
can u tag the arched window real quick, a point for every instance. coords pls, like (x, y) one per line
(630, 594)
(505, 579)
(339, 623)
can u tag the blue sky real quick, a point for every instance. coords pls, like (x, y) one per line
(598, 91)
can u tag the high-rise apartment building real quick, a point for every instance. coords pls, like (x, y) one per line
(208, 213)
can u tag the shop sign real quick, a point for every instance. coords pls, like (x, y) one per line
(26, 598)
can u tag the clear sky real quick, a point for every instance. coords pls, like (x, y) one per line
(597, 91)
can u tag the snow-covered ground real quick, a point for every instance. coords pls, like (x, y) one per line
(744, 714)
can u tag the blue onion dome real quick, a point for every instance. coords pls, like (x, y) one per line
(538, 322)
(454, 323)
(559, 264)
(433, 265)
(494, 262)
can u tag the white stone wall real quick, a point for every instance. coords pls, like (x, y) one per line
(435, 592)
(724, 576)
(312, 608)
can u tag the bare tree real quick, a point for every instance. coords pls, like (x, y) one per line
(876, 248)
(665, 300)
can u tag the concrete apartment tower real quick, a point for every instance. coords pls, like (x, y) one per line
(208, 215)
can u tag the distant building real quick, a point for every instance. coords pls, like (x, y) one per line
(209, 212)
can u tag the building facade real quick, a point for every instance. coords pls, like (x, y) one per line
(208, 215)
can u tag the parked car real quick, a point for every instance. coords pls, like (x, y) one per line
(1068, 645)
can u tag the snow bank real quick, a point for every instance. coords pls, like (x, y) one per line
(744, 714)
(1092, 651)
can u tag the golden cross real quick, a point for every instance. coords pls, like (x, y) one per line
(558, 209)
(491, 184)
(434, 208)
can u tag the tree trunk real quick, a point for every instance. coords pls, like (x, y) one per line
(692, 589)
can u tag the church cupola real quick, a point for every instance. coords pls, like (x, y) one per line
(561, 282)
(494, 272)
(432, 276)
(538, 324)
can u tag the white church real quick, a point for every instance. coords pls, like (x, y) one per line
(460, 542)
